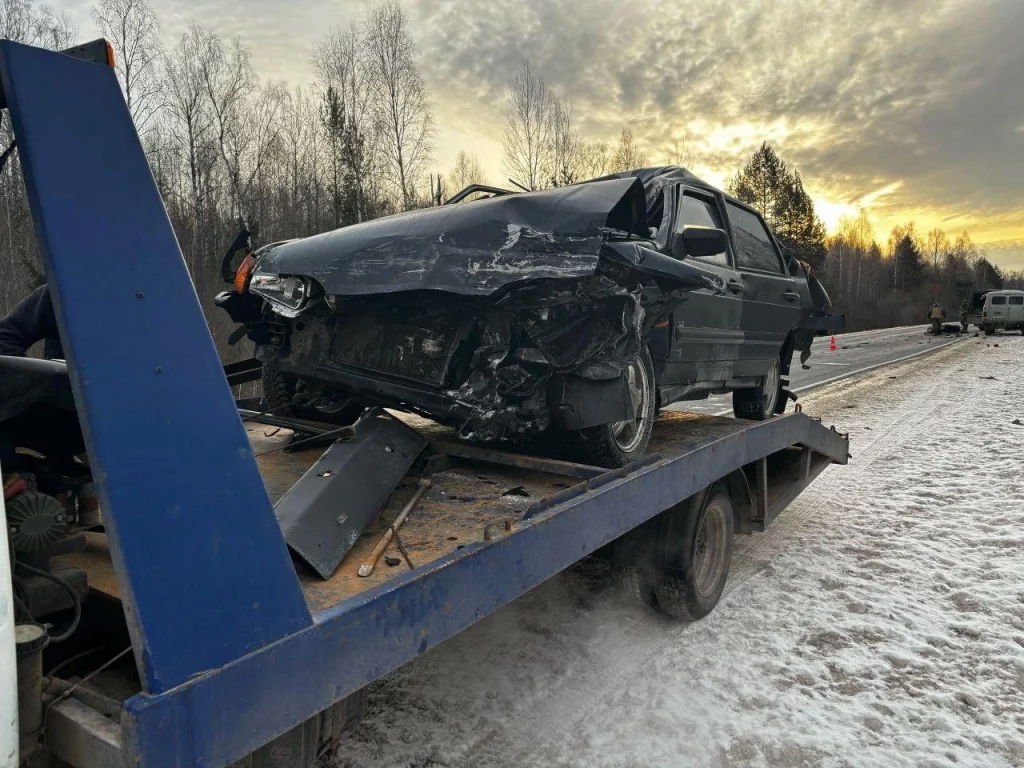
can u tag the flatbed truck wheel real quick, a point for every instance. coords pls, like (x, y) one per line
(313, 743)
(701, 533)
(636, 584)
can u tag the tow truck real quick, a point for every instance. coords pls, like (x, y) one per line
(199, 639)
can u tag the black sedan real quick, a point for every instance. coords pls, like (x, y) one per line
(573, 314)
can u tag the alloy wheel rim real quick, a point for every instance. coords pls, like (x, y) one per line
(629, 433)
(771, 389)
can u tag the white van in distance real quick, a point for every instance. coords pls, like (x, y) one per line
(1003, 309)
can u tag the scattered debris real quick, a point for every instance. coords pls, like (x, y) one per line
(517, 491)
(850, 405)
(392, 561)
(1018, 422)
(989, 378)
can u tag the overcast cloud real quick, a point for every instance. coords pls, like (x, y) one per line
(912, 108)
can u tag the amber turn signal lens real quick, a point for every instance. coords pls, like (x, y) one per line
(243, 273)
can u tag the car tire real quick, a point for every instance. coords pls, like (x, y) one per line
(760, 402)
(705, 537)
(278, 390)
(616, 445)
(279, 399)
(989, 330)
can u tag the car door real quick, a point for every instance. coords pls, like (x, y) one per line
(1015, 309)
(771, 301)
(706, 334)
(996, 309)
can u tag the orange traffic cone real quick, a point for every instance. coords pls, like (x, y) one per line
(832, 345)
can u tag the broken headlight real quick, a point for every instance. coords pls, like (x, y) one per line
(288, 295)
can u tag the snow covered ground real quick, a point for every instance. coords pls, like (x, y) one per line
(879, 621)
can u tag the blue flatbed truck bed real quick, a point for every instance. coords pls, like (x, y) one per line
(233, 645)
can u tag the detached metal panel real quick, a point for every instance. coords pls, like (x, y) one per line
(205, 574)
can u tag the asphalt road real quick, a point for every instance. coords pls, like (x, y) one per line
(855, 353)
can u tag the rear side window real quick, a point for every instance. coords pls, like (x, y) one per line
(1016, 300)
(754, 248)
(696, 211)
(998, 299)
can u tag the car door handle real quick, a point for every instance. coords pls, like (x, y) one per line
(735, 286)
(791, 296)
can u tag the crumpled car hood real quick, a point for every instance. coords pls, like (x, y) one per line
(480, 247)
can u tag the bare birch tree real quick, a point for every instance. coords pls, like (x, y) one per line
(528, 128)
(679, 153)
(467, 170)
(936, 246)
(595, 159)
(342, 65)
(133, 29)
(628, 154)
(403, 115)
(566, 145)
(189, 126)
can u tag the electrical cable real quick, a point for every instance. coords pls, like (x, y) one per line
(76, 601)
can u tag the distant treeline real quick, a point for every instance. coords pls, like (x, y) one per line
(876, 284)
(357, 143)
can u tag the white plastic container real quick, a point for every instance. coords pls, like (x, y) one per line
(8, 662)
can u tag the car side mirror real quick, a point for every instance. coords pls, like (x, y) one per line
(699, 241)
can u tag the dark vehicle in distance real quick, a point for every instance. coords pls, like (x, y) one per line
(575, 313)
(975, 306)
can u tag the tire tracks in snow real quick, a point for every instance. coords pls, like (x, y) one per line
(752, 554)
(559, 710)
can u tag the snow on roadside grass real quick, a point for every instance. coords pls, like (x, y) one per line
(880, 621)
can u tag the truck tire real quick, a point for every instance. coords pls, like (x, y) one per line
(615, 445)
(636, 585)
(312, 743)
(702, 530)
(989, 330)
(760, 402)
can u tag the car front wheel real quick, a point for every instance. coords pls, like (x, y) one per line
(761, 401)
(615, 445)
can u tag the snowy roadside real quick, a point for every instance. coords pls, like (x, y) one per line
(880, 621)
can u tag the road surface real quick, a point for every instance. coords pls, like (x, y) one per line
(879, 621)
(855, 353)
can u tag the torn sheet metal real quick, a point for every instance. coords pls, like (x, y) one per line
(324, 513)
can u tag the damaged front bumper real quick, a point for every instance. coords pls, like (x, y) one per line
(547, 354)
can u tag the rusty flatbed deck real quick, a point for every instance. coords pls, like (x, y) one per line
(463, 500)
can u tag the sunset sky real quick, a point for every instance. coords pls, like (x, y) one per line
(910, 109)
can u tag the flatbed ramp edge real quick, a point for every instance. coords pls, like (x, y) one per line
(468, 564)
(231, 647)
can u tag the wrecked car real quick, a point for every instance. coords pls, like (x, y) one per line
(573, 313)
